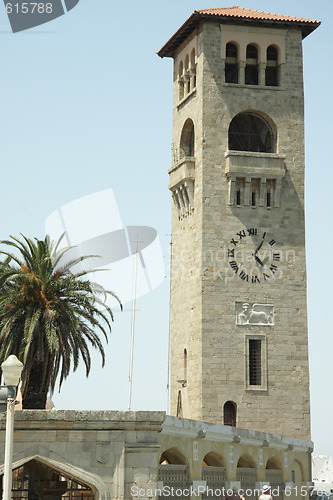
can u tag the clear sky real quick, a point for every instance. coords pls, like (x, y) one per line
(86, 104)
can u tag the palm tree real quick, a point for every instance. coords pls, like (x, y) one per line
(49, 315)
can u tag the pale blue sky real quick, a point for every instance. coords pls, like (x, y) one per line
(86, 104)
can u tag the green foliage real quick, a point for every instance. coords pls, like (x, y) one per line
(49, 315)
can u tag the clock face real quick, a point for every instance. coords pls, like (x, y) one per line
(253, 256)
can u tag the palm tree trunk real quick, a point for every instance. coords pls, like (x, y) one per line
(35, 393)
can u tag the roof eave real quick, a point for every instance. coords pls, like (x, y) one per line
(192, 22)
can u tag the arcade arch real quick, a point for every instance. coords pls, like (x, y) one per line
(246, 474)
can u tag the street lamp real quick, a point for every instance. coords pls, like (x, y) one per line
(11, 369)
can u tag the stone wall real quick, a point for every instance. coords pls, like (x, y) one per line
(123, 455)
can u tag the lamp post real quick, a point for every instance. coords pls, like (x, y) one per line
(11, 369)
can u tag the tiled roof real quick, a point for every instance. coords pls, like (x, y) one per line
(234, 15)
(242, 13)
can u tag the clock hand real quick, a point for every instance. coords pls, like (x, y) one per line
(258, 260)
(265, 260)
(258, 248)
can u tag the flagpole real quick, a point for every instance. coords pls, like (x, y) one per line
(130, 377)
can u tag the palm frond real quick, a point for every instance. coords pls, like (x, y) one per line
(50, 317)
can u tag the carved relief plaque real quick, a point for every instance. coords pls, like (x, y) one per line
(250, 313)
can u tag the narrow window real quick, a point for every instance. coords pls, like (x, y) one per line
(240, 187)
(231, 63)
(180, 81)
(293, 476)
(255, 190)
(251, 68)
(270, 186)
(229, 413)
(179, 405)
(255, 362)
(192, 142)
(268, 199)
(187, 78)
(185, 364)
(193, 70)
(271, 73)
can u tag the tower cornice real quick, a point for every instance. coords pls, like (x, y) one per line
(235, 15)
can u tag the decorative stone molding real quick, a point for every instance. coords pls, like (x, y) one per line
(181, 186)
(268, 168)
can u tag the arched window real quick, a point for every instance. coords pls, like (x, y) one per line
(36, 480)
(251, 68)
(230, 413)
(187, 139)
(193, 70)
(180, 69)
(187, 84)
(231, 63)
(180, 80)
(271, 73)
(193, 58)
(250, 132)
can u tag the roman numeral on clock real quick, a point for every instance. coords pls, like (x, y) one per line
(231, 253)
(241, 234)
(234, 266)
(255, 279)
(243, 276)
(252, 232)
(273, 268)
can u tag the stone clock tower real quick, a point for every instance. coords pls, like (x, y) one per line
(239, 344)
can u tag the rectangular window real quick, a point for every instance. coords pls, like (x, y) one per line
(240, 188)
(231, 73)
(271, 77)
(255, 362)
(255, 192)
(251, 74)
(270, 186)
(268, 199)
